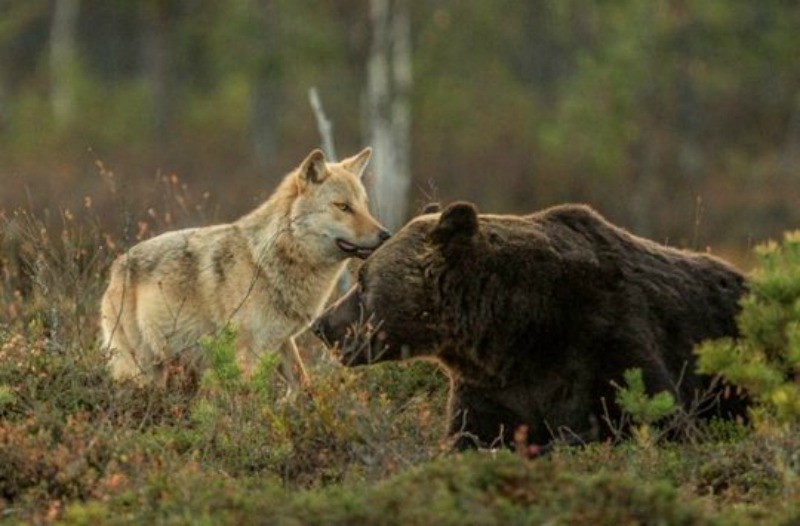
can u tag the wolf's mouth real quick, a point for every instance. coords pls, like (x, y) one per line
(354, 250)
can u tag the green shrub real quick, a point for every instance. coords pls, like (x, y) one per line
(474, 488)
(765, 359)
(343, 424)
(358, 446)
(642, 409)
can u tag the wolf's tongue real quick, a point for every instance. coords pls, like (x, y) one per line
(347, 247)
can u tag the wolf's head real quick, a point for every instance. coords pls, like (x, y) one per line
(330, 213)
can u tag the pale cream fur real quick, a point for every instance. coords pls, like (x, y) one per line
(267, 275)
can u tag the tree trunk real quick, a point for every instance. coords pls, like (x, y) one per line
(62, 60)
(690, 152)
(158, 61)
(388, 109)
(790, 157)
(401, 108)
(643, 187)
(266, 88)
(644, 149)
(4, 95)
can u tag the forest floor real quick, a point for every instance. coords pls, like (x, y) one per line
(359, 446)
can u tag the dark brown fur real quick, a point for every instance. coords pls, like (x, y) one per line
(534, 317)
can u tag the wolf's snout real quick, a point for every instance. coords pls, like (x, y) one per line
(356, 250)
(362, 251)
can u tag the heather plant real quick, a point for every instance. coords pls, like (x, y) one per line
(342, 425)
(357, 446)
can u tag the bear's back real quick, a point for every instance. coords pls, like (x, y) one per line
(654, 300)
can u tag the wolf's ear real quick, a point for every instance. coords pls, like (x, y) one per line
(357, 164)
(312, 169)
(457, 226)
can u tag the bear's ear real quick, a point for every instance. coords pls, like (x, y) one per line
(431, 208)
(312, 169)
(457, 224)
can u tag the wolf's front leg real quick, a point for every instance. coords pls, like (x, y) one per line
(292, 366)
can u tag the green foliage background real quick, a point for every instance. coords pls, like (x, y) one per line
(678, 119)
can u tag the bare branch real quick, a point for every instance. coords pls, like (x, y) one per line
(324, 125)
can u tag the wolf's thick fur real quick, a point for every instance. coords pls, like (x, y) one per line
(267, 274)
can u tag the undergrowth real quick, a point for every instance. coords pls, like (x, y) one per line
(359, 446)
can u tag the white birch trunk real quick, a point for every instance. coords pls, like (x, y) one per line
(401, 108)
(389, 116)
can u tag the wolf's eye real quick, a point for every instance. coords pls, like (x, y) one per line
(344, 207)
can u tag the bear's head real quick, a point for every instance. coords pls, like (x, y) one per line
(443, 281)
(390, 314)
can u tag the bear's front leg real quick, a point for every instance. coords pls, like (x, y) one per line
(478, 421)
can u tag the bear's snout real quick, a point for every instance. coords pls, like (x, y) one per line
(318, 328)
(344, 326)
(349, 344)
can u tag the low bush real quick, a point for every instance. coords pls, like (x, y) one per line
(358, 446)
(765, 359)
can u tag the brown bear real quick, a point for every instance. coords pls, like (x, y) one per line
(535, 317)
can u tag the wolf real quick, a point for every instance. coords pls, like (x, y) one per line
(266, 275)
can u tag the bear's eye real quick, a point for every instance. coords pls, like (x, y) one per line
(344, 207)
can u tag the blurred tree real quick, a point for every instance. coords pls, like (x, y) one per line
(17, 21)
(160, 18)
(4, 93)
(639, 107)
(790, 158)
(549, 33)
(63, 60)
(267, 86)
(388, 106)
